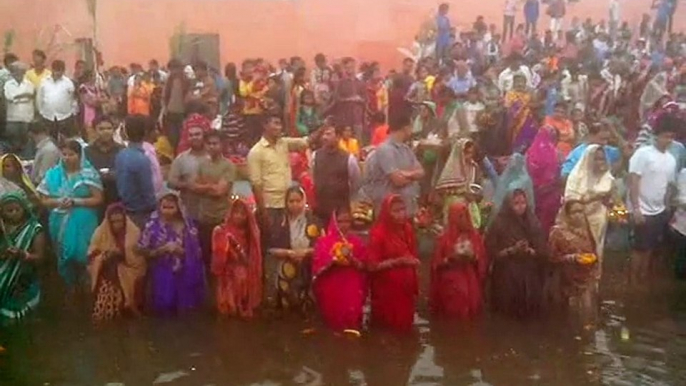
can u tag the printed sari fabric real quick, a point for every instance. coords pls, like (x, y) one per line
(543, 165)
(565, 134)
(177, 282)
(116, 268)
(521, 120)
(19, 286)
(237, 264)
(394, 290)
(570, 280)
(340, 289)
(456, 281)
(516, 281)
(455, 180)
(290, 281)
(71, 229)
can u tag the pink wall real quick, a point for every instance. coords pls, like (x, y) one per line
(137, 30)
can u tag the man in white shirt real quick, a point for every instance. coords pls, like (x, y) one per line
(56, 102)
(506, 77)
(652, 174)
(19, 95)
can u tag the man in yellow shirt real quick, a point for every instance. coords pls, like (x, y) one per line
(270, 169)
(36, 74)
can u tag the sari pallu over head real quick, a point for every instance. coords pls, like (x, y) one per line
(456, 287)
(71, 229)
(19, 285)
(340, 290)
(227, 250)
(543, 166)
(129, 271)
(514, 177)
(25, 179)
(508, 228)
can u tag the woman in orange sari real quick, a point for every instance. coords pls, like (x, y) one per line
(237, 262)
(522, 124)
(566, 137)
(573, 281)
(116, 268)
(393, 262)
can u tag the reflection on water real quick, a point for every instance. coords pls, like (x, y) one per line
(638, 340)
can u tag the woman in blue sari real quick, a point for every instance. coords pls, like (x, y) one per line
(22, 245)
(72, 191)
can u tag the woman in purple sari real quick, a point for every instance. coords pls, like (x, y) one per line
(339, 284)
(170, 241)
(543, 165)
(520, 116)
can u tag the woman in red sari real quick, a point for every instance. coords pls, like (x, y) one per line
(458, 267)
(237, 262)
(339, 284)
(393, 262)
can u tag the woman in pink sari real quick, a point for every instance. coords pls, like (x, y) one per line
(339, 284)
(543, 165)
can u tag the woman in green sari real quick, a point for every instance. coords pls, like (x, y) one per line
(22, 245)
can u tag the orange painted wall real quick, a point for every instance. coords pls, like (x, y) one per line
(137, 30)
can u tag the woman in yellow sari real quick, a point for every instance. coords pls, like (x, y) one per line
(13, 171)
(522, 124)
(116, 268)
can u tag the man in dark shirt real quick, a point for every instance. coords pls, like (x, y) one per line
(134, 173)
(102, 153)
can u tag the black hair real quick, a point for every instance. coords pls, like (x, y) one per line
(38, 128)
(347, 60)
(200, 65)
(212, 134)
(668, 123)
(39, 53)
(72, 145)
(398, 122)
(305, 93)
(154, 62)
(100, 118)
(294, 189)
(266, 118)
(319, 58)
(174, 64)
(443, 7)
(230, 71)
(136, 127)
(379, 118)
(58, 65)
(408, 60)
(9, 59)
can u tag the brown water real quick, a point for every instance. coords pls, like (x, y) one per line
(636, 340)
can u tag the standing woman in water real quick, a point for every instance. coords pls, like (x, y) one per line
(393, 263)
(340, 283)
(516, 246)
(72, 192)
(288, 265)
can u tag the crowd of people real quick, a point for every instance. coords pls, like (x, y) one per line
(513, 153)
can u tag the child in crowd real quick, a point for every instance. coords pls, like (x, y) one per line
(348, 142)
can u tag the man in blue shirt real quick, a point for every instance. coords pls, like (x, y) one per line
(134, 173)
(597, 134)
(443, 33)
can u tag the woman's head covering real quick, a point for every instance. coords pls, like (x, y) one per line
(515, 177)
(459, 221)
(194, 120)
(20, 198)
(454, 174)
(24, 176)
(582, 181)
(57, 184)
(542, 161)
(224, 243)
